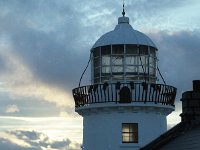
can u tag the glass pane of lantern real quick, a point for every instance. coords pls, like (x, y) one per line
(118, 49)
(106, 50)
(152, 80)
(117, 60)
(152, 52)
(142, 60)
(105, 79)
(132, 77)
(96, 80)
(131, 49)
(106, 69)
(152, 71)
(131, 69)
(96, 52)
(143, 50)
(151, 61)
(142, 69)
(105, 60)
(131, 60)
(96, 62)
(117, 77)
(97, 72)
(116, 69)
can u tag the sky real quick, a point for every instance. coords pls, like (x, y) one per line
(44, 48)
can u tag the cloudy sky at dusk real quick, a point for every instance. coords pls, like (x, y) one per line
(44, 47)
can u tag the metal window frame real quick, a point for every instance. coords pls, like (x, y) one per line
(133, 126)
(151, 78)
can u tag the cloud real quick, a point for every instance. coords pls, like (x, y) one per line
(57, 128)
(20, 80)
(38, 59)
(12, 109)
(33, 140)
(179, 54)
(6, 138)
(44, 46)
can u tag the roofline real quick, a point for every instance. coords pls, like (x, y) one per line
(164, 138)
(123, 44)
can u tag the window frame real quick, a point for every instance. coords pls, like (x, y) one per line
(132, 133)
(124, 62)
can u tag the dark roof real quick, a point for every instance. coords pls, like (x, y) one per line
(186, 134)
(180, 137)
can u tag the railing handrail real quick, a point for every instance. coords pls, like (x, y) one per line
(124, 93)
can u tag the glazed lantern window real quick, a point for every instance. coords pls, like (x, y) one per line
(124, 63)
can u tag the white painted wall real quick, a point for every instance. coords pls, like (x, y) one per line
(102, 127)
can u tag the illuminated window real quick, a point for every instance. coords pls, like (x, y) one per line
(129, 133)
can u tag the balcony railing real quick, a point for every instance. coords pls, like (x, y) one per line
(124, 93)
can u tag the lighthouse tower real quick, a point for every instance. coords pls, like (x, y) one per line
(124, 108)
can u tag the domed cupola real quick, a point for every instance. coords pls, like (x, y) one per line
(124, 54)
(124, 34)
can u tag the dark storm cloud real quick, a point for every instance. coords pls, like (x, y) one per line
(53, 40)
(56, 52)
(179, 54)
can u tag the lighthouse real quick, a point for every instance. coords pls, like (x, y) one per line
(124, 108)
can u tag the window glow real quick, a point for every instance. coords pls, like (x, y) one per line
(129, 133)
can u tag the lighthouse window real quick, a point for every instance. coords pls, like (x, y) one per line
(105, 69)
(143, 50)
(117, 69)
(131, 70)
(131, 49)
(152, 52)
(117, 60)
(118, 49)
(129, 133)
(151, 61)
(152, 71)
(105, 60)
(96, 52)
(96, 62)
(131, 60)
(96, 72)
(143, 60)
(106, 50)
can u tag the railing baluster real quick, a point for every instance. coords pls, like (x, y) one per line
(97, 92)
(161, 94)
(100, 89)
(135, 90)
(140, 92)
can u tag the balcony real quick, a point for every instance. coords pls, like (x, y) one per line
(124, 93)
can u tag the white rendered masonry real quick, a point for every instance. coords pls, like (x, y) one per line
(102, 124)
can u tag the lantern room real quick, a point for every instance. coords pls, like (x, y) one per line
(124, 55)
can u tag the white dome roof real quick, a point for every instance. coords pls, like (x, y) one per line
(124, 34)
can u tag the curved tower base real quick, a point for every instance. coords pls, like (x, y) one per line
(103, 126)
